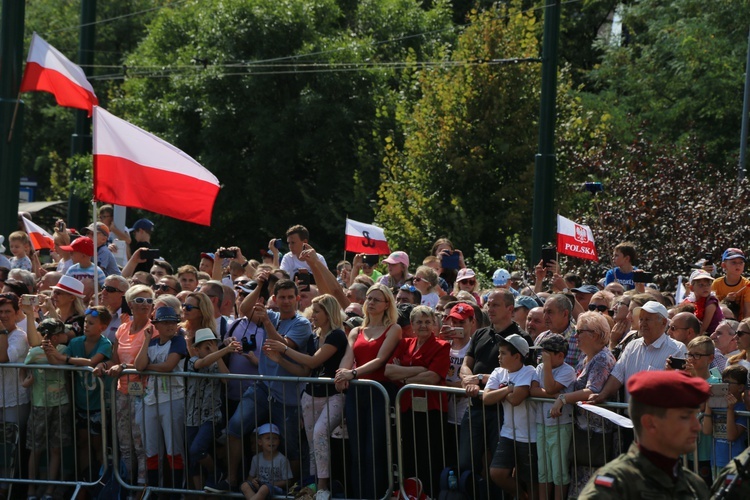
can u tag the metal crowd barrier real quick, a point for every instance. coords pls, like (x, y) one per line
(81, 465)
(364, 473)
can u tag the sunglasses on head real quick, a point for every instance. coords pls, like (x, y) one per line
(409, 288)
(601, 307)
(143, 300)
(189, 307)
(92, 312)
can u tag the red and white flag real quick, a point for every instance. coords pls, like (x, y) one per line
(137, 169)
(575, 240)
(365, 238)
(47, 70)
(38, 236)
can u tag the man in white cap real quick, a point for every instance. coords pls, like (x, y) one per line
(647, 353)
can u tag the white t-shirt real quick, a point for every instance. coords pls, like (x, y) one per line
(278, 469)
(566, 375)
(290, 264)
(13, 394)
(518, 421)
(457, 404)
(430, 300)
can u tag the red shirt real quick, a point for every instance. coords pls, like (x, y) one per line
(433, 355)
(367, 350)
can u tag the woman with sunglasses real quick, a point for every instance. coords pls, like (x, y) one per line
(66, 304)
(129, 339)
(426, 281)
(322, 406)
(743, 344)
(197, 313)
(370, 348)
(466, 281)
(601, 302)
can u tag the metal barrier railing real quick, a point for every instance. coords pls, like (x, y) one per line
(426, 442)
(46, 421)
(364, 469)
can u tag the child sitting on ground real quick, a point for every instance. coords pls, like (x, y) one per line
(516, 448)
(270, 470)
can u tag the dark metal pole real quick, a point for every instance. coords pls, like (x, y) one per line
(11, 60)
(745, 110)
(543, 223)
(80, 141)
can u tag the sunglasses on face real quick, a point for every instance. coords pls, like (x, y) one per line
(143, 300)
(162, 287)
(696, 355)
(111, 289)
(601, 308)
(189, 307)
(740, 333)
(468, 282)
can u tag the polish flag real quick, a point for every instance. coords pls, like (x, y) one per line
(38, 236)
(47, 70)
(575, 240)
(365, 238)
(137, 169)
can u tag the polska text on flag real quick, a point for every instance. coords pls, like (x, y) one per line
(365, 238)
(47, 70)
(575, 240)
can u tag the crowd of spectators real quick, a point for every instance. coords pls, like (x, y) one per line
(388, 322)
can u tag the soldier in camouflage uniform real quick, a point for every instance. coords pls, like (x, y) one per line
(664, 409)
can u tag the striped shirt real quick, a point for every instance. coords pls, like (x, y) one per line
(574, 354)
(638, 357)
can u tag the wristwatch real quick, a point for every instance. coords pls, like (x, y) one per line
(561, 397)
(354, 373)
(480, 377)
(245, 264)
(4, 332)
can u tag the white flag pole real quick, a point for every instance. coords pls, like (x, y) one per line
(94, 237)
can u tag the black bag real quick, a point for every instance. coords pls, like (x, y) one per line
(592, 449)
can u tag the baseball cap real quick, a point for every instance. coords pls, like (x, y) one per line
(398, 258)
(500, 277)
(266, 428)
(165, 315)
(732, 253)
(654, 307)
(354, 322)
(101, 227)
(700, 274)
(668, 389)
(51, 327)
(526, 301)
(518, 342)
(207, 255)
(586, 289)
(555, 342)
(461, 312)
(82, 244)
(144, 224)
(465, 274)
(204, 334)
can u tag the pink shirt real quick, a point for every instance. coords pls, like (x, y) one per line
(128, 347)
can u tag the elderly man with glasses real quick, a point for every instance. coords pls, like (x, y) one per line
(112, 295)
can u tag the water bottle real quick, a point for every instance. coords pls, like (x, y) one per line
(452, 481)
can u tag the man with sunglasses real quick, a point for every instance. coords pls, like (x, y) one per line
(168, 285)
(685, 327)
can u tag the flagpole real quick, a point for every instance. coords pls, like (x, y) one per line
(94, 237)
(13, 120)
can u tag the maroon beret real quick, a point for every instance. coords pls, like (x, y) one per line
(668, 389)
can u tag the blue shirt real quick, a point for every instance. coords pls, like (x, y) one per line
(87, 395)
(625, 279)
(297, 329)
(106, 261)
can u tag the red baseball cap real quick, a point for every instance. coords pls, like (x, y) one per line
(82, 244)
(461, 312)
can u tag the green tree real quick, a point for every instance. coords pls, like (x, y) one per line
(285, 101)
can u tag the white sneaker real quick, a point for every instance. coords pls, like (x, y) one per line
(323, 495)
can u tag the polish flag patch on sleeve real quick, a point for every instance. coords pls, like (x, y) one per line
(605, 481)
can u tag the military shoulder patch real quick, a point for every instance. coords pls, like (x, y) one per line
(606, 481)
